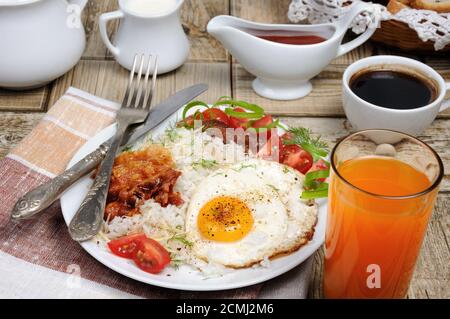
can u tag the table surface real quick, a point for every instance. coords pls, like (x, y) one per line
(321, 111)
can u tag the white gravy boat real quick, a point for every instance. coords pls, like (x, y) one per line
(284, 71)
(40, 40)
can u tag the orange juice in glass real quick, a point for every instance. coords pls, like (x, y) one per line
(383, 186)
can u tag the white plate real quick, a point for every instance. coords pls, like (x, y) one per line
(184, 278)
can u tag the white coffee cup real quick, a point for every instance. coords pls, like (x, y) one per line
(145, 31)
(364, 115)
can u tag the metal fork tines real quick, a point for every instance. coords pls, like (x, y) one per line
(136, 105)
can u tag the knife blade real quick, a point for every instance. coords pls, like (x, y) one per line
(44, 195)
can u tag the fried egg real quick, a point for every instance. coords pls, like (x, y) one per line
(243, 214)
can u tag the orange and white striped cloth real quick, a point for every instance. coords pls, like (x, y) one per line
(38, 259)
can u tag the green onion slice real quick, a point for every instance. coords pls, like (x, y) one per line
(311, 177)
(192, 105)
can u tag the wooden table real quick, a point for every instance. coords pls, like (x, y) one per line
(321, 111)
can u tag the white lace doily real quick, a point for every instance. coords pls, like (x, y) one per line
(429, 25)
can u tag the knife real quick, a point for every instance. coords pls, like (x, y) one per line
(44, 195)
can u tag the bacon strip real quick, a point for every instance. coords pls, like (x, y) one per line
(141, 175)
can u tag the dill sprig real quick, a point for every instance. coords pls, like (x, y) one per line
(314, 145)
(182, 239)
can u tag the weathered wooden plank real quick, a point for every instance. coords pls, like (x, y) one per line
(267, 11)
(14, 127)
(95, 49)
(216, 75)
(29, 100)
(316, 283)
(195, 16)
(324, 100)
(108, 80)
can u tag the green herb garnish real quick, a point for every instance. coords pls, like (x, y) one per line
(302, 136)
(172, 134)
(321, 191)
(205, 163)
(312, 177)
(244, 166)
(182, 239)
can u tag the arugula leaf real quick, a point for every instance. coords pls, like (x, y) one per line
(302, 136)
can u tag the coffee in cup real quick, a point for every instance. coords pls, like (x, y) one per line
(394, 93)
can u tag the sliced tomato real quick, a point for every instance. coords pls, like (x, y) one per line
(236, 122)
(150, 256)
(215, 114)
(126, 246)
(188, 121)
(296, 157)
(263, 122)
(260, 124)
(286, 136)
(320, 165)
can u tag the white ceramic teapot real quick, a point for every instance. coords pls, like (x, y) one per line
(283, 71)
(39, 40)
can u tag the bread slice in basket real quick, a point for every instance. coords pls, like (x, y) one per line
(442, 6)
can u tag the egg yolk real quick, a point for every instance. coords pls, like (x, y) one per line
(225, 219)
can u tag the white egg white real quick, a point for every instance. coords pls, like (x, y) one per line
(282, 222)
(269, 219)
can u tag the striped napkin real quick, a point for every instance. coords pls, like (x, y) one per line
(38, 259)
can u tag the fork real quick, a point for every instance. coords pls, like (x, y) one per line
(136, 105)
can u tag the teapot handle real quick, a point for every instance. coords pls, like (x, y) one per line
(358, 8)
(102, 23)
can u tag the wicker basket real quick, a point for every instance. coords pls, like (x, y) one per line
(398, 34)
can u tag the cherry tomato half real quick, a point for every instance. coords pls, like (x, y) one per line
(126, 246)
(215, 114)
(150, 256)
(296, 157)
(263, 122)
(236, 122)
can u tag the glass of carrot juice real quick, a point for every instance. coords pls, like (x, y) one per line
(383, 186)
